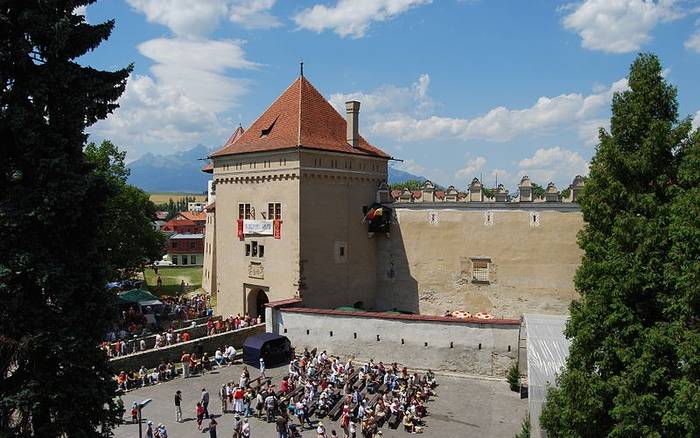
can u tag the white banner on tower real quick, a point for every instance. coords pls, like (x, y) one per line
(258, 227)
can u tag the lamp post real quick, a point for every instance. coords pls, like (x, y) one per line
(140, 405)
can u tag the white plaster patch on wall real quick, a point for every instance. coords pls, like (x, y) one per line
(534, 219)
(488, 218)
(433, 217)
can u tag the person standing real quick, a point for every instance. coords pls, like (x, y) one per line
(149, 431)
(237, 426)
(212, 428)
(245, 429)
(281, 426)
(205, 402)
(185, 359)
(178, 407)
(199, 412)
(262, 369)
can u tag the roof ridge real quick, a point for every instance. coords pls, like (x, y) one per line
(301, 85)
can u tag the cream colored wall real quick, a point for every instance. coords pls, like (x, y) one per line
(209, 281)
(331, 216)
(256, 179)
(426, 267)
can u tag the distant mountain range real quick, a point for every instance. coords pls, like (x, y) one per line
(182, 172)
(178, 172)
(399, 176)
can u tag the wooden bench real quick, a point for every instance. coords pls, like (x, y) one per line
(395, 420)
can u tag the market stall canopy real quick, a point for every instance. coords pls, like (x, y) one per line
(140, 296)
(274, 349)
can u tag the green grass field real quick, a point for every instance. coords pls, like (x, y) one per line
(163, 198)
(171, 278)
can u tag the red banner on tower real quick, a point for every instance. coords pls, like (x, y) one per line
(240, 228)
(277, 228)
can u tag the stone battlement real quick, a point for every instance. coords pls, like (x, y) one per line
(477, 194)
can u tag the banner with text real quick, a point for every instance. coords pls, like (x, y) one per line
(259, 227)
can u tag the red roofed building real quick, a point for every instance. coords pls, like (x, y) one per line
(290, 194)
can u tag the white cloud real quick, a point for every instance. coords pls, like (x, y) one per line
(352, 17)
(501, 124)
(81, 10)
(413, 99)
(696, 120)
(693, 43)
(553, 164)
(197, 68)
(618, 26)
(184, 17)
(254, 14)
(471, 168)
(187, 18)
(182, 103)
(410, 166)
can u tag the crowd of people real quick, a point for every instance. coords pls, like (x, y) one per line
(122, 345)
(361, 398)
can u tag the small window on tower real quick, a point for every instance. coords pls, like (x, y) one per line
(247, 249)
(254, 249)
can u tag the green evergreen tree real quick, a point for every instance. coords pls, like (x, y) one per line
(411, 184)
(634, 363)
(54, 381)
(126, 229)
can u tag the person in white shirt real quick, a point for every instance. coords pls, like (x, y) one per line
(230, 354)
(159, 339)
(262, 368)
(142, 345)
(219, 357)
(169, 338)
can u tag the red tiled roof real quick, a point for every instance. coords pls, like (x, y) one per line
(300, 117)
(440, 194)
(232, 139)
(403, 317)
(208, 168)
(283, 303)
(416, 194)
(395, 194)
(194, 215)
(179, 223)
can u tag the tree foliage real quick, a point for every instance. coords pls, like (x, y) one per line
(411, 184)
(54, 382)
(174, 207)
(128, 237)
(634, 363)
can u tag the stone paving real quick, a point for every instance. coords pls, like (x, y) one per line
(463, 407)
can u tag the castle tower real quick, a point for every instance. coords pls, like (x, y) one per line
(290, 193)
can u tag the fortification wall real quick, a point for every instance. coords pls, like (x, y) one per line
(507, 259)
(479, 348)
(153, 357)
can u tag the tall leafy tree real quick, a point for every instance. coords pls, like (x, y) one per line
(54, 382)
(634, 362)
(126, 230)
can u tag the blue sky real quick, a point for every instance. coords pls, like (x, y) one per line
(455, 88)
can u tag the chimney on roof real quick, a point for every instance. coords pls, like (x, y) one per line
(352, 118)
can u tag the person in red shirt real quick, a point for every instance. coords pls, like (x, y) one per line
(121, 381)
(185, 337)
(284, 386)
(238, 395)
(199, 411)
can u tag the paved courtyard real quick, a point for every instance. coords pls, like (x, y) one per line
(462, 408)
